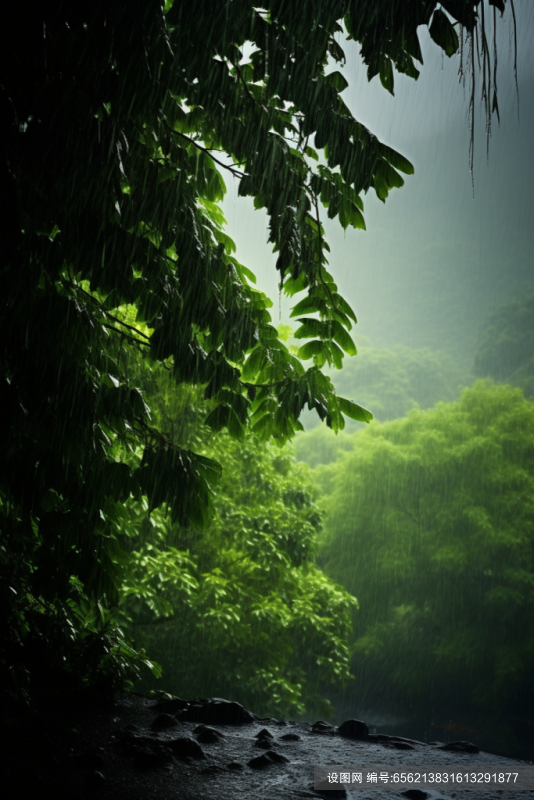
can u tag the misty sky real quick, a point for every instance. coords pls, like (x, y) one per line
(434, 260)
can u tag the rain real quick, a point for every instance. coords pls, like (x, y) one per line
(268, 390)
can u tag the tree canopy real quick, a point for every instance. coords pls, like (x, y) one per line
(431, 526)
(506, 345)
(119, 119)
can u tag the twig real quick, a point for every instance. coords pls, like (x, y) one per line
(205, 150)
(111, 316)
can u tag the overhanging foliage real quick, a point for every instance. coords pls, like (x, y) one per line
(119, 118)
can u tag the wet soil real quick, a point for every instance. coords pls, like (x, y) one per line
(74, 750)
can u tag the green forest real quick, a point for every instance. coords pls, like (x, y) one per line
(158, 529)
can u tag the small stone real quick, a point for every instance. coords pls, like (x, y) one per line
(264, 734)
(163, 721)
(265, 744)
(353, 729)
(185, 747)
(261, 762)
(461, 747)
(415, 794)
(323, 727)
(235, 765)
(209, 735)
(290, 737)
(278, 758)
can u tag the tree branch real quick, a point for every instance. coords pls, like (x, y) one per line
(234, 172)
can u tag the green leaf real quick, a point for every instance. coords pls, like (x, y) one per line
(386, 74)
(311, 349)
(309, 327)
(337, 80)
(354, 411)
(443, 33)
(344, 339)
(308, 305)
(397, 160)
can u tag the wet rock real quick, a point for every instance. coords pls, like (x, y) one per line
(398, 745)
(267, 760)
(278, 758)
(264, 734)
(416, 794)
(461, 747)
(185, 747)
(323, 727)
(383, 738)
(290, 737)
(353, 729)
(235, 765)
(171, 706)
(164, 721)
(265, 744)
(207, 735)
(219, 712)
(261, 762)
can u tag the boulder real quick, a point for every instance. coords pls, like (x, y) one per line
(219, 712)
(353, 729)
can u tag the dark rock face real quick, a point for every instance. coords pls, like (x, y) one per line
(185, 747)
(219, 712)
(354, 729)
(323, 727)
(461, 747)
(163, 721)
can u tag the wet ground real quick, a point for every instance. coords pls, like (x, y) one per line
(87, 753)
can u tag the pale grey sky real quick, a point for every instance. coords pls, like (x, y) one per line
(434, 259)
